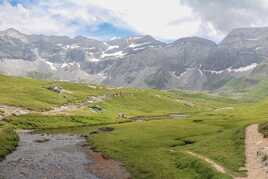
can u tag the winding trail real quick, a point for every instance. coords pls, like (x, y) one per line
(254, 143)
(216, 166)
(72, 107)
(6, 111)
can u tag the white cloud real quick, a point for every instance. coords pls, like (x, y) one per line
(153, 17)
(162, 19)
(226, 15)
(31, 20)
(78, 11)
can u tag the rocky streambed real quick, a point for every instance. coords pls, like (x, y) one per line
(57, 156)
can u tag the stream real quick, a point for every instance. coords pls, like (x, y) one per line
(40, 156)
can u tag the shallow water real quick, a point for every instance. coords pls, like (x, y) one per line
(40, 156)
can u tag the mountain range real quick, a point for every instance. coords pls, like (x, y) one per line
(192, 63)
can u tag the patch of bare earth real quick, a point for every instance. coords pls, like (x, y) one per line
(106, 168)
(6, 111)
(68, 108)
(255, 142)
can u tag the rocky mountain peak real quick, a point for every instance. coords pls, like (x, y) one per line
(141, 38)
(138, 61)
(194, 41)
(245, 37)
(13, 33)
(10, 31)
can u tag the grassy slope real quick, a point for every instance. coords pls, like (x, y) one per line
(34, 94)
(145, 147)
(8, 139)
(217, 134)
(213, 135)
(130, 102)
(153, 149)
(263, 114)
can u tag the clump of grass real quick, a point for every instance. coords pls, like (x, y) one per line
(264, 158)
(32, 121)
(8, 140)
(197, 120)
(183, 142)
(263, 128)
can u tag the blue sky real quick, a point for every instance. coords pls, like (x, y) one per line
(106, 30)
(25, 2)
(100, 29)
(104, 19)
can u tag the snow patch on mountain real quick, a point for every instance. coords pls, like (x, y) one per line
(119, 54)
(253, 39)
(93, 60)
(245, 68)
(90, 48)
(66, 65)
(112, 47)
(234, 70)
(73, 46)
(180, 75)
(214, 71)
(133, 45)
(200, 71)
(51, 65)
(258, 48)
(102, 76)
(140, 48)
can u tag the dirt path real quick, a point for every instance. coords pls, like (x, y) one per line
(158, 117)
(72, 107)
(63, 109)
(6, 111)
(106, 168)
(216, 166)
(254, 143)
(57, 156)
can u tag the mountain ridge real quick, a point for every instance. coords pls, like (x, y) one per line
(193, 63)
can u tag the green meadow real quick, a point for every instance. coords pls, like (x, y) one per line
(154, 147)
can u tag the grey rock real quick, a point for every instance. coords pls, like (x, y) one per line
(141, 61)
